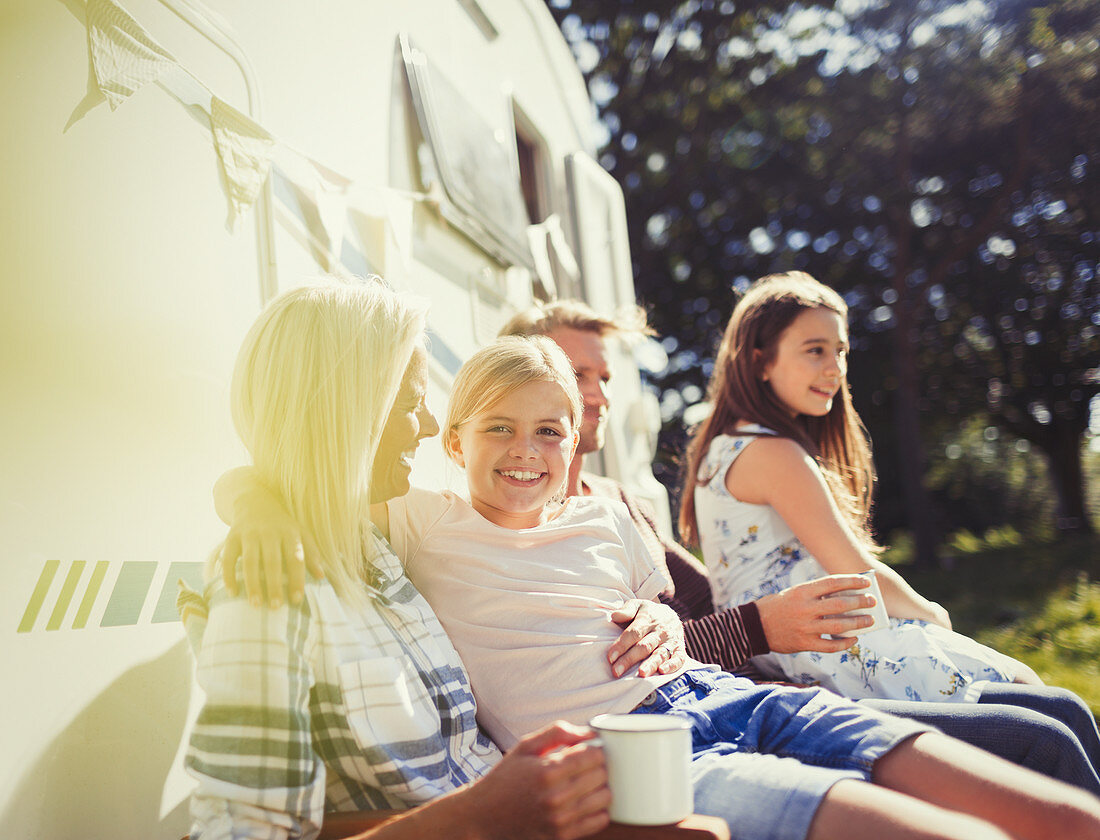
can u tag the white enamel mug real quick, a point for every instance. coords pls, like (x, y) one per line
(648, 767)
(877, 612)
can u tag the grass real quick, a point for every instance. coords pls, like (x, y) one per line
(1037, 600)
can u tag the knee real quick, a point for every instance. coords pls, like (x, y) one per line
(1076, 713)
(1077, 816)
(1053, 744)
(1074, 702)
(965, 827)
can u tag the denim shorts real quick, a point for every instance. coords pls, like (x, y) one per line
(765, 756)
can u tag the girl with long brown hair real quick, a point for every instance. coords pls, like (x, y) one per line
(779, 481)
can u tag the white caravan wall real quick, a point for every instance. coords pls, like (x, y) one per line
(123, 300)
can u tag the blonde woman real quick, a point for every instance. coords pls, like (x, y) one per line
(353, 698)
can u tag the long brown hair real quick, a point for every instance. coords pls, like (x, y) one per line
(738, 394)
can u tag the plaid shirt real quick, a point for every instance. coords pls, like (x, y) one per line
(325, 706)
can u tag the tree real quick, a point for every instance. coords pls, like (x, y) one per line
(895, 153)
(1027, 332)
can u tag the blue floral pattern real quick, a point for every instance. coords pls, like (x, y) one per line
(751, 552)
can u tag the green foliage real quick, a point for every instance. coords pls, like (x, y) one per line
(1036, 600)
(1060, 641)
(940, 169)
(985, 477)
(964, 542)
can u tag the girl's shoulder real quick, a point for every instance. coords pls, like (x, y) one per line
(766, 448)
(725, 448)
(427, 505)
(752, 430)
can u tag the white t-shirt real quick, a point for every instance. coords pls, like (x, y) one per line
(529, 610)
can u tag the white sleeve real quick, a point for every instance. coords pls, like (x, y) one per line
(647, 579)
(411, 519)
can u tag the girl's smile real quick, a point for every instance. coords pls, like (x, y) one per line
(810, 362)
(524, 477)
(517, 453)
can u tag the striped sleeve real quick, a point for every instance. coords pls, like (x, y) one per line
(727, 638)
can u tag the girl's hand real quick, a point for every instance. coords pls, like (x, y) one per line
(265, 540)
(940, 615)
(654, 637)
(796, 618)
(551, 786)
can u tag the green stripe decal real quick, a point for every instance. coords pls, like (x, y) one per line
(189, 573)
(128, 596)
(39, 595)
(66, 596)
(98, 573)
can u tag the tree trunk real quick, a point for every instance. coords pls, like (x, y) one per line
(918, 503)
(1063, 454)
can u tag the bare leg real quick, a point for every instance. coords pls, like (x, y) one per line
(859, 811)
(945, 772)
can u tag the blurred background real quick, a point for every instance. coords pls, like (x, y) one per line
(936, 163)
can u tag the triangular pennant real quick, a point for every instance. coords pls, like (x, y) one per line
(124, 56)
(320, 203)
(244, 150)
(332, 198)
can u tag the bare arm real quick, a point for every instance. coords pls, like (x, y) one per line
(779, 473)
(789, 621)
(264, 538)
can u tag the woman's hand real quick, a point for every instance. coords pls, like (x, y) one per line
(653, 639)
(265, 540)
(796, 618)
(551, 786)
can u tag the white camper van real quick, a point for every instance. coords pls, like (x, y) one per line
(166, 169)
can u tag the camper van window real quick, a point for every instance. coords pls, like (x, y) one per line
(475, 160)
(532, 173)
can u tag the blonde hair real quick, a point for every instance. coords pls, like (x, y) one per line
(498, 369)
(738, 394)
(312, 389)
(544, 318)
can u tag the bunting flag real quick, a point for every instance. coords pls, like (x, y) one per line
(350, 230)
(552, 255)
(316, 197)
(331, 198)
(124, 56)
(560, 247)
(244, 151)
